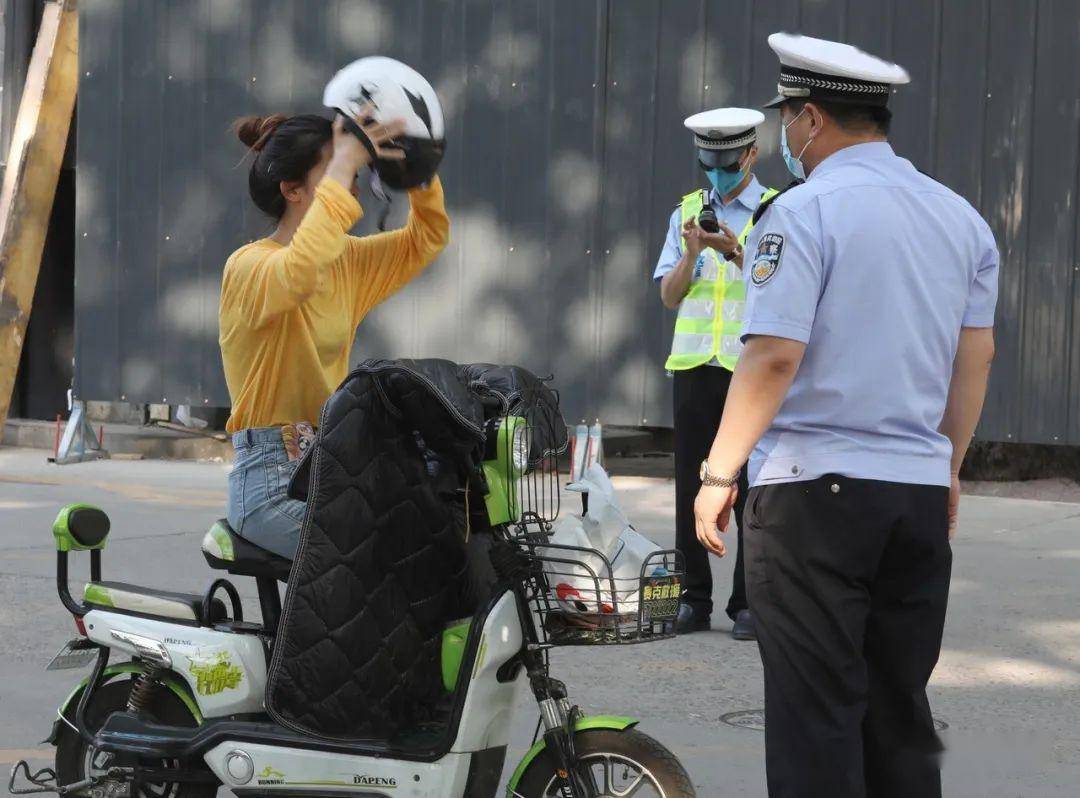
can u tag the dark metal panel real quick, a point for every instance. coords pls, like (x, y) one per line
(98, 198)
(916, 45)
(404, 319)
(186, 204)
(17, 30)
(870, 25)
(698, 66)
(1005, 197)
(578, 79)
(763, 70)
(225, 36)
(1073, 394)
(356, 30)
(961, 100)
(630, 130)
(823, 18)
(141, 88)
(1049, 274)
(436, 47)
(526, 297)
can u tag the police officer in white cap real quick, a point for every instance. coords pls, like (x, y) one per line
(870, 302)
(699, 272)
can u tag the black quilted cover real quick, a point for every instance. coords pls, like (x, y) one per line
(523, 393)
(381, 562)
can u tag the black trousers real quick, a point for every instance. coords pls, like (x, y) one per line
(699, 403)
(848, 582)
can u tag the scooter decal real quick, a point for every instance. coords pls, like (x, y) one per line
(215, 674)
(270, 776)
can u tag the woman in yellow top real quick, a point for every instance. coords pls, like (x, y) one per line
(291, 303)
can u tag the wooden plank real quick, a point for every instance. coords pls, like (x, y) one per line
(26, 199)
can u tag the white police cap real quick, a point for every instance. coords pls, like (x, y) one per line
(722, 133)
(819, 69)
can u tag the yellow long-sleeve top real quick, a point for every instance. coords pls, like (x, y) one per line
(289, 313)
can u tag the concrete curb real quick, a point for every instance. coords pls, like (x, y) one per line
(125, 439)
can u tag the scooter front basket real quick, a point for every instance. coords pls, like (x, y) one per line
(580, 599)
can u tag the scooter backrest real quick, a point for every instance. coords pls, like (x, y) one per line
(80, 527)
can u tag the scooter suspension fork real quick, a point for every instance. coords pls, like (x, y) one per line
(558, 719)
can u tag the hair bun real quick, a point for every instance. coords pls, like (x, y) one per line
(255, 131)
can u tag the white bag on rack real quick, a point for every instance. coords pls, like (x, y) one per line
(606, 531)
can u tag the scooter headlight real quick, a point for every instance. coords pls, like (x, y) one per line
(520, 449)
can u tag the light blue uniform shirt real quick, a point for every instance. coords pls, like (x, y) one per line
(875, 267)
(735, 215)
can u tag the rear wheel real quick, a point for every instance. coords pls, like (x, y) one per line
(621, 764)
(77, 760)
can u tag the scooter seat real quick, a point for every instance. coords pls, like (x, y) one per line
(149, 602)
(227, 551)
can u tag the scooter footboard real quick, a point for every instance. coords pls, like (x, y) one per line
(253, 768)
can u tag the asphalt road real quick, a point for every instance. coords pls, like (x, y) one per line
(1008, 683)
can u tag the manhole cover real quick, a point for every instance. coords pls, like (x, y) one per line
(755, 719)
(747, 719)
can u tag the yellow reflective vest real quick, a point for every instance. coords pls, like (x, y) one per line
(709, 324)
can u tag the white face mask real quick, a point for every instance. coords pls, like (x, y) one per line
(794, 162)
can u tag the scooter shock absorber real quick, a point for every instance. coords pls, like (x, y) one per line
(143, 689)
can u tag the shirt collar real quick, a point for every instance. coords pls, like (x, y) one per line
(749, 197)
(856, 152)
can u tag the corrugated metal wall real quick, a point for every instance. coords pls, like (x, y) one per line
(566, 155)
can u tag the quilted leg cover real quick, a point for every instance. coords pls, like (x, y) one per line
(381, 563)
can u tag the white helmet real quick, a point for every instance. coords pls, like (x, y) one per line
(395, 91)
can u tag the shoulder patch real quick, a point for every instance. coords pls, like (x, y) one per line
(770, 250)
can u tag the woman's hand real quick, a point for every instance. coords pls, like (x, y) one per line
(350, 154)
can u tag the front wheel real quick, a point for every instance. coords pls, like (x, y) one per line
(620, 763)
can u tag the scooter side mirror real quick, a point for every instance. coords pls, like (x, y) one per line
(81, 527)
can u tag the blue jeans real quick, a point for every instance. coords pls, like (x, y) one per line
(259, 509)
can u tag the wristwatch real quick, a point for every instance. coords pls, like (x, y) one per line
(734, 253)
(712, 481)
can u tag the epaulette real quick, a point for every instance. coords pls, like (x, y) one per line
(764, 206)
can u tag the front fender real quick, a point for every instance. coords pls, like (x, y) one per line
(583, 724)
(175, 684)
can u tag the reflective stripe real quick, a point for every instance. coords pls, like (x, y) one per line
(710, 272)
(730, 345)
(691, 344)
(698, 309)
(702, 326)
(733, 309)
(732, 273)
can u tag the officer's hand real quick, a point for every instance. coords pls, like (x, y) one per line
(693, 238)
(954, 504)
(725, 242)
(712, 513)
